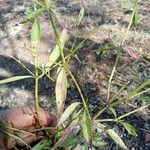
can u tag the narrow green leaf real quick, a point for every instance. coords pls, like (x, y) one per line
(56, 52)
(68, 112)
(33, 15)
(80, 17)
(61, 90)
(144, 98)
(131, 130)
(127, 5)
(103, 49)
(28, 11)
(98, 142)
(86, 127)
(116, 138)
(84, 147)
(135, 17)
(41, 145)
(35, 33)
(12, 79)
(131, 112)
(47, 4)
(113, 111)
(77, 114)
(146, 57)
(134, 93)
(69, 142)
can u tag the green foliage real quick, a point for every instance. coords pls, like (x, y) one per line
(131, 130)
(33, 15)
(71, 142)
(135, 17)
(131, 6)
(13, 79)
(116, 138)
(134, 93)
(41, 145)
(55, 54)
(103, 49)
(86, 127)
(144, 98)
(80, 17)
(146, 57)
(138, 89)
(68, 112)
(35, 33)
(59, 59)
(128, 5)
(28, 11)
(113, 111)
(84, 147)
(98, 142)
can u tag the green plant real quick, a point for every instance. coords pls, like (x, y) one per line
(77, 113)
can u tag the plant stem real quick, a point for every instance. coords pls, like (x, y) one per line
(64, 62)
(23, 66)
(129, 113)
(16, 130)
(129, 26)
(115, 65)
(36, 86)
(101, 111)
(123, 116)
(117, 58)
(112, 74)
(79, 90)
(105, 120)
(133, 93)
(142, 92)
(115, 96)
(57, 38)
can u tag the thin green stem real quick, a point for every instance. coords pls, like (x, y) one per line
(129, 113)
(115, 64)
(115, 96)
(38, 3)
(56, 37)
(117, 58)
(36, 86)
(133, 93)
(105, 120)
(4, 127)
(64, 61)
(23, 65)
(129, 26)
(43, 128)
(100, 112)
(68, 56)
(79, 90)
(112, 74)
(142, 92)
(122, 116)
(137, 89)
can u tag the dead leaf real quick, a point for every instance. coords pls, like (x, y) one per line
(132, 53)
(61, 90)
